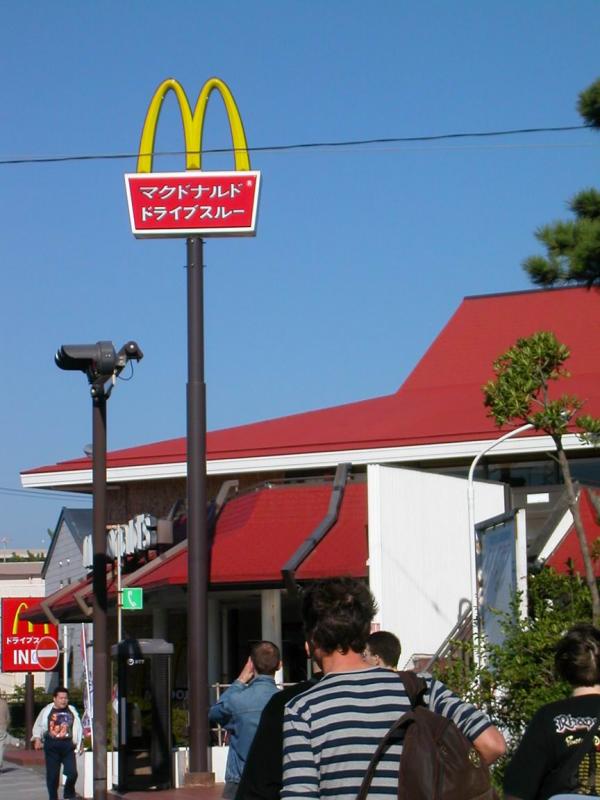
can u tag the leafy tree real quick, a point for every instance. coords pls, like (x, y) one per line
(521, 392)
(573, 246)
(518, 676)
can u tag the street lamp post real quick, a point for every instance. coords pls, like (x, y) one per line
(473, 535)
(102, 365)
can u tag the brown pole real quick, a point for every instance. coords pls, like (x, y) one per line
(100, 650)
(29, 709)
(197, 535)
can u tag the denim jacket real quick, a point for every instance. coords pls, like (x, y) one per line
(239, 711)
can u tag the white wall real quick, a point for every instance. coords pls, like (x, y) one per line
(419, 565)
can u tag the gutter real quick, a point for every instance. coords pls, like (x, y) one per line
(288, 571)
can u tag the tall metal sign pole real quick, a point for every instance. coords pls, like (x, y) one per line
(194, 204)
(197, 533)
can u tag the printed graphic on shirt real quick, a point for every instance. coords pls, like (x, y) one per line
(567, 722)
(60, 724)
(588, 772)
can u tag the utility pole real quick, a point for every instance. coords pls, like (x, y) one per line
(102, 365)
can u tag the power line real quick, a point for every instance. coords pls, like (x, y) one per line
(290, 147)
(45, 495)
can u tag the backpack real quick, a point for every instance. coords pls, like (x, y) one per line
(438, 762)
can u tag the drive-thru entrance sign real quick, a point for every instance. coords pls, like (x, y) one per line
(20, 639)
(47, 653)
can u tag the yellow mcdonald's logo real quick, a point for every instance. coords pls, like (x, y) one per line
(193, 124)
(15, 627)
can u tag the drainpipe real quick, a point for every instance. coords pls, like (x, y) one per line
(290, 568)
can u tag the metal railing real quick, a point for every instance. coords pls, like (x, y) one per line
(461, 632)
(218, 732)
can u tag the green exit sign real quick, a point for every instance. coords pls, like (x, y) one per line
(132, 599)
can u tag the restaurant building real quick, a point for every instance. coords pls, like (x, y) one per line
(380, 485)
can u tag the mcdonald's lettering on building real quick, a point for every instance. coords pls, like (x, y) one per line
(195, 202)
(20, 637)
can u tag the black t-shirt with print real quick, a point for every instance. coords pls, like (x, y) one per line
(548, 742)
(60, 723)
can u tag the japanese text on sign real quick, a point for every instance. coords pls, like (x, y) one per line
(185, 203)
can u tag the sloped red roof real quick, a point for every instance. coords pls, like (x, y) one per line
(567, 552)
(441, 400)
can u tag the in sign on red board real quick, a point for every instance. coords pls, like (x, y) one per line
(193, 203)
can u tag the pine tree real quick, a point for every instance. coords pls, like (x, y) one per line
(573, 246)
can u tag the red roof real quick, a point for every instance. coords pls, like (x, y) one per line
(256, 533)
(441, 401)
(567, 551)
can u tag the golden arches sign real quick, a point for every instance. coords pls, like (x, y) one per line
(195, 202)
(193, 124)
(15, 626)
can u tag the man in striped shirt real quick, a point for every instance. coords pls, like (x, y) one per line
(332, 730)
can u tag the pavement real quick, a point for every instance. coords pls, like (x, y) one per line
(23, 778)
(18, 782)
(187, 793)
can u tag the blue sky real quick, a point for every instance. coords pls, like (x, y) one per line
(362, 253)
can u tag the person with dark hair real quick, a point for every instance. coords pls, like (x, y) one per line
(240, 706)
(58, 730)
(382, 650)
(332, 730)
(559, 753)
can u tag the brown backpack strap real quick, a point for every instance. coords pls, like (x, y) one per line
(415, 687)
(393, 733)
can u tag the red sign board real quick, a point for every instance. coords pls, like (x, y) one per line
(192, 203)
(47, 653)
(21, 638)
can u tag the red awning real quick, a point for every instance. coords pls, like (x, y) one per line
(256, 533)
(72, 603)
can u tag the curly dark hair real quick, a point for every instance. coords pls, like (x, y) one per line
(337, 614)
(577, 657)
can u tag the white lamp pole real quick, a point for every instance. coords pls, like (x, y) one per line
(473, 535)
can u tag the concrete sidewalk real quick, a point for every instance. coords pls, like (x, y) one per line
(22, 783)
(32, 782)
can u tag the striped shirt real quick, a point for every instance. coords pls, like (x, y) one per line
(331, 731)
